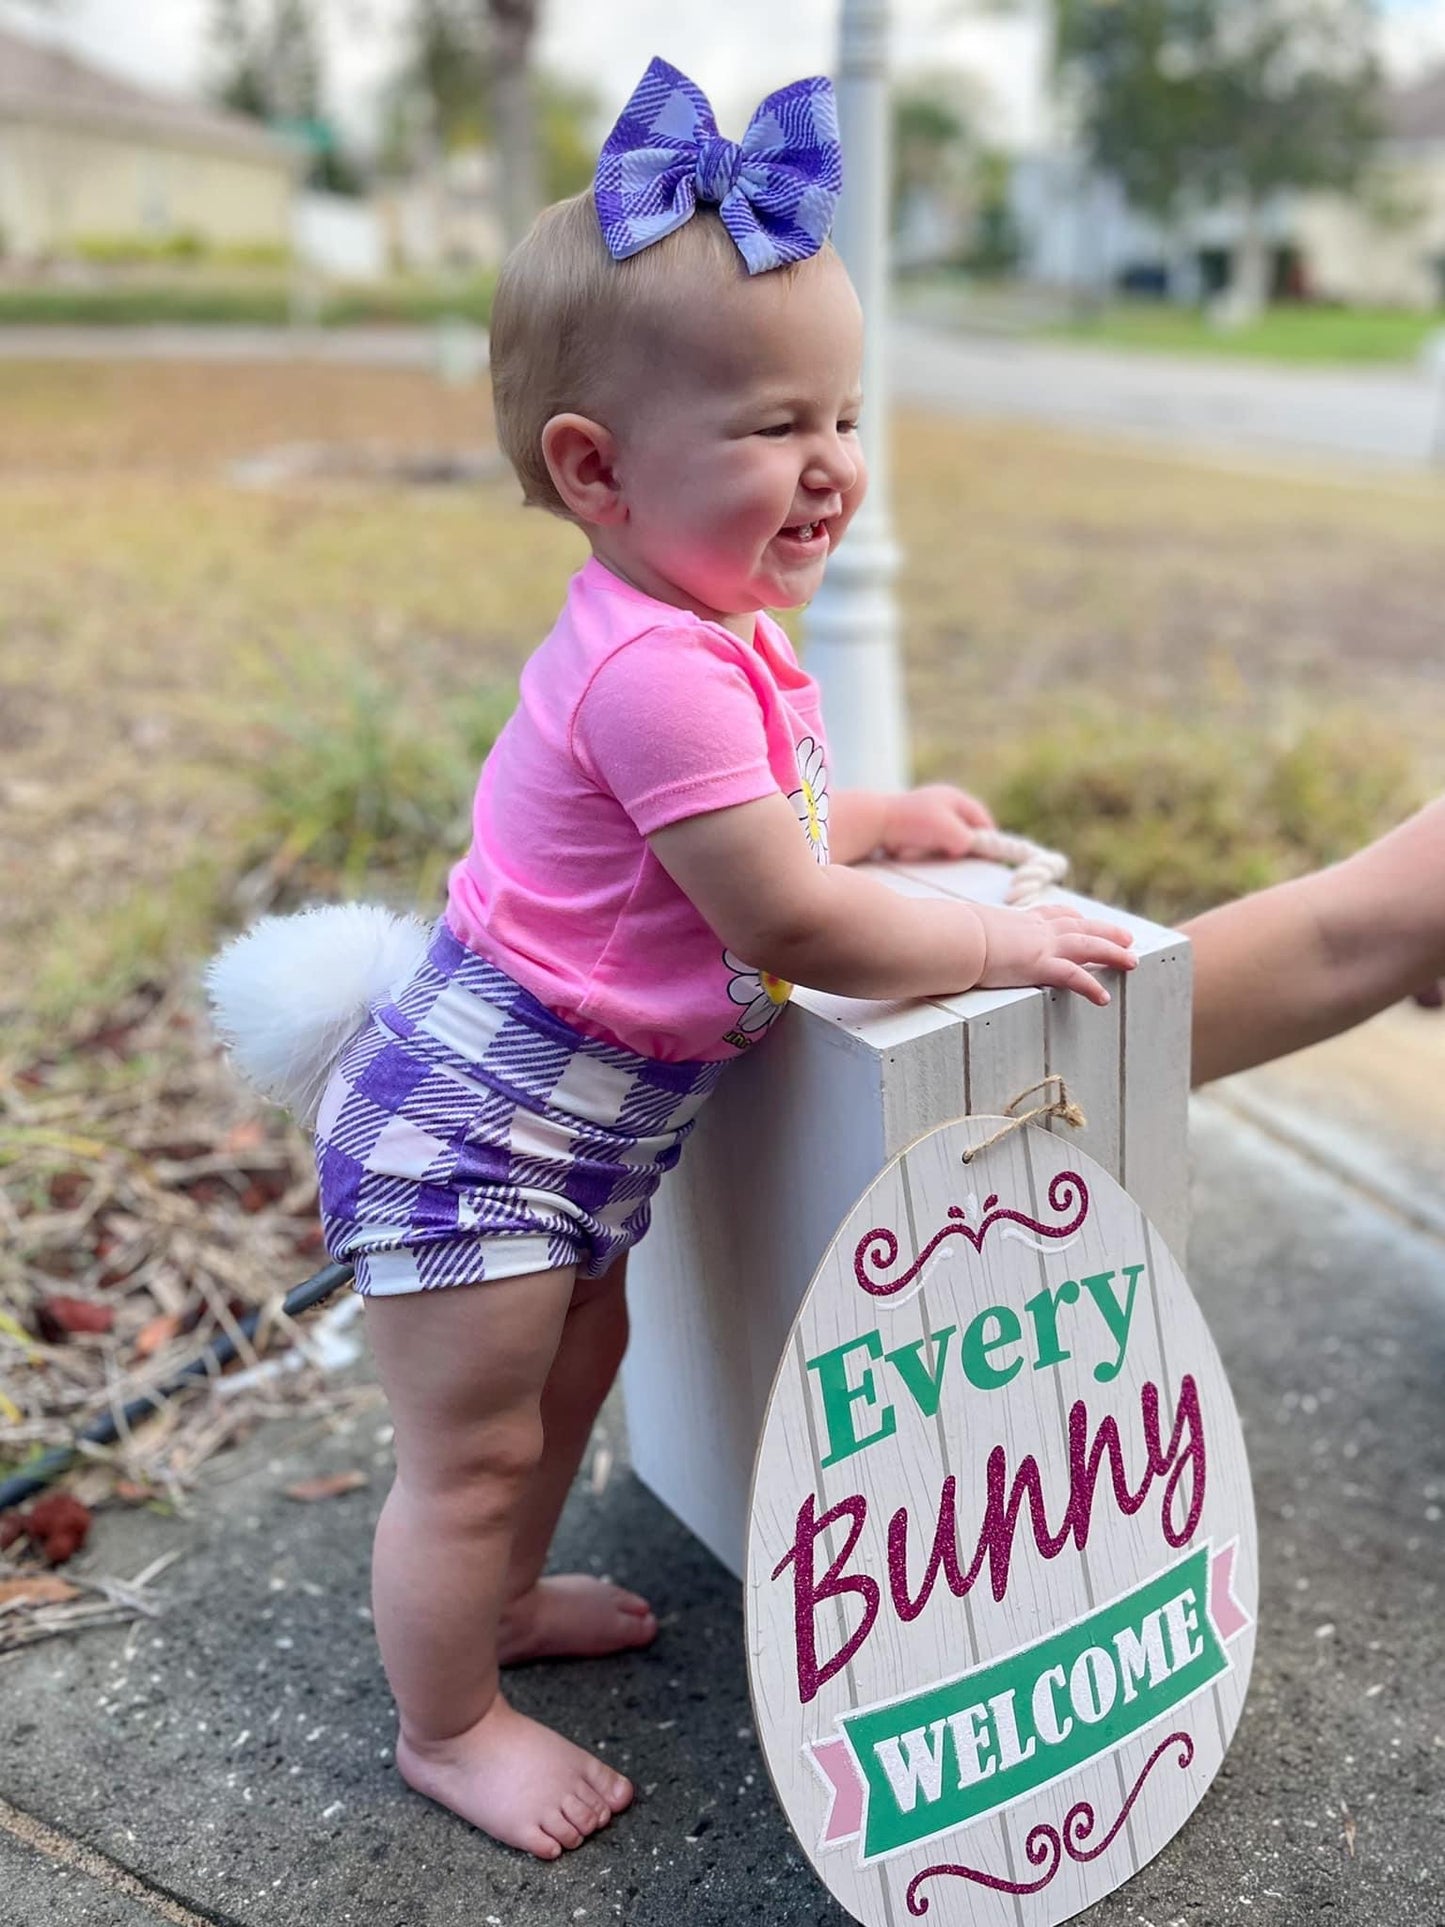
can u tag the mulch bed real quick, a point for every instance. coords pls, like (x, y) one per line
(147, 1205)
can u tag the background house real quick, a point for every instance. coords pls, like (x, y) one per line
(87, 158)
(1382, 246)
(443, 215)
(1387, 245)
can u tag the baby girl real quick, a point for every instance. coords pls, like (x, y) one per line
(656, 859)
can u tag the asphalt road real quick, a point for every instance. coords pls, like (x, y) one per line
(1394, 416)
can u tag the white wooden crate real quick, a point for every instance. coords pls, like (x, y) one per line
(797, 1131)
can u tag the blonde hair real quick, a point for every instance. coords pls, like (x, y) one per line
(565, 312)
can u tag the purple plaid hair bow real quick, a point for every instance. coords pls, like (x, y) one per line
(775, 190)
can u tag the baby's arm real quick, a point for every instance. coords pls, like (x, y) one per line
(1297, 963)
(750, 874)
(936, 820)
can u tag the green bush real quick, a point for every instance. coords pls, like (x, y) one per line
(382, 303)
(134, 305)
(1166, 818)
(263, 300)
(253, 254)
(376, 799)
(108, 250)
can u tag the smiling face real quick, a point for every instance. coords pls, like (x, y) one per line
(736, 459)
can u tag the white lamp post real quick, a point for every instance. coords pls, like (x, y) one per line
(851, 629)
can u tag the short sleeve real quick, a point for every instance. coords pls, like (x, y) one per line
(672, 725)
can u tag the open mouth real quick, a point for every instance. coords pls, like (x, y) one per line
(805, 538)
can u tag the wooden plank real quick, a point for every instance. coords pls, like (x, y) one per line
(782, 1151)
(1154, 1086)
(797, 1131)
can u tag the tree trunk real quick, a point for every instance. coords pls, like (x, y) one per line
(1249, 292)
(1184, 276)
(512, 25)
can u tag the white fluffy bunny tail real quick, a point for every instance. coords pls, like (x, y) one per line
(288, 995)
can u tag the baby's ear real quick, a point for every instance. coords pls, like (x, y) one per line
(580, 457)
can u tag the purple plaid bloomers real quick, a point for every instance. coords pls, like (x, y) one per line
(469, 1133)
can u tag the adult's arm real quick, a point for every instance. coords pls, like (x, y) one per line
(1295, 964)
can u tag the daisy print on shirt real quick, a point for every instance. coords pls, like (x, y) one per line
(760, 995)
(810, 799)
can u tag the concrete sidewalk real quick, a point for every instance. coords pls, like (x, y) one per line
(229, 1764)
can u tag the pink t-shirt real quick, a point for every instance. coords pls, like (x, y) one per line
(634, 715)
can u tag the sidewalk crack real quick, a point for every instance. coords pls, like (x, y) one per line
(101, 1868)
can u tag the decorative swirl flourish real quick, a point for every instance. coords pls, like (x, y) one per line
(1044, 1848)
(877, 1250)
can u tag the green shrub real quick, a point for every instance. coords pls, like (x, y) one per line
(253, 254)
(1166, 818)
(106, 250)
(134, 305)
(375, 799)
(184, 245)
(251, 298)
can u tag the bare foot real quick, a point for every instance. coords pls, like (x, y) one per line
(518, 1781)
(573, 1617)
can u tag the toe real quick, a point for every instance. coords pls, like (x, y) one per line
(582, 1811)
(562, 1830)
(641, 1628)
(611, 1787)
(542, 1845)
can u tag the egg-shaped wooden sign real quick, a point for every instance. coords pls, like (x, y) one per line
(1001, 1572)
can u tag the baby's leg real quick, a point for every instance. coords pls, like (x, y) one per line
(571, 1615)
(463, 1368)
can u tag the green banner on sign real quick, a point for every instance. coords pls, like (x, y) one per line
(940, 1758)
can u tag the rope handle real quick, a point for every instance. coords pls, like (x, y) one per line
(1035, 868)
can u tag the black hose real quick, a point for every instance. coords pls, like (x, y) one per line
(221, 1350)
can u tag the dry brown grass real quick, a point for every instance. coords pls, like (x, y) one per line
(1048, 575)
(162, 628)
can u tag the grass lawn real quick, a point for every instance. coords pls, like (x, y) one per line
(211, 696)
(1291, 333)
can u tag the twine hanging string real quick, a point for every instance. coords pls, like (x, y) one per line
(1061, 1106)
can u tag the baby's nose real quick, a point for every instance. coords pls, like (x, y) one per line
(836, 470)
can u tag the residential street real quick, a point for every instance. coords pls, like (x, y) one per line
(1390, 416)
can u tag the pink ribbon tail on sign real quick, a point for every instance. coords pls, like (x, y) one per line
(1228, 1615)
(834, 1761)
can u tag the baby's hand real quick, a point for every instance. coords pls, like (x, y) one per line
(937, 820)
(1050, 946)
